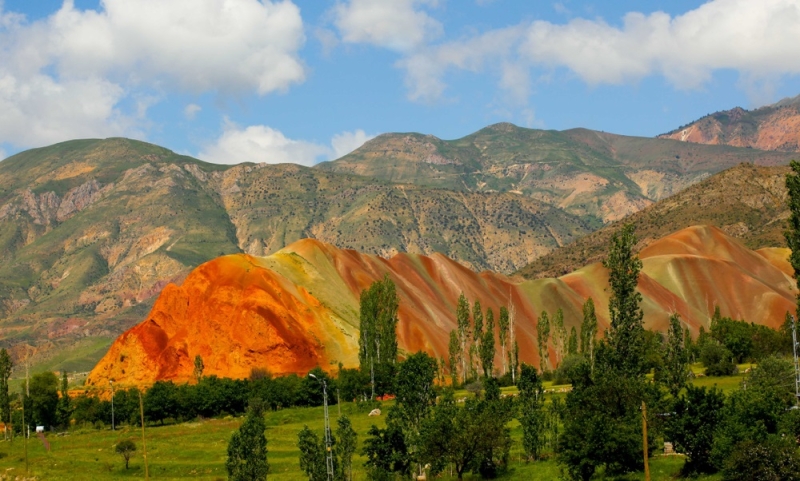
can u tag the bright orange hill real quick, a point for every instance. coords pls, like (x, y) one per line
(298, 308)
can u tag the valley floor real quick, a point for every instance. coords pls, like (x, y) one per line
(197, 450)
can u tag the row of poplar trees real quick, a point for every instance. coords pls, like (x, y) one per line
(472, 345)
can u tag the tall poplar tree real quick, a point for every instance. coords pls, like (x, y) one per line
(502, 325)
(454, 351)
(5, 401)
(559, 335)
(676, 360)
(377, 343)
(542, 337)
(487, 345)
(462, 320)
(626, 336)
(477, 332)
(588, 330)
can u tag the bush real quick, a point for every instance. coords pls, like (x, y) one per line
(717, 360)
(775, 459)
(126, 448)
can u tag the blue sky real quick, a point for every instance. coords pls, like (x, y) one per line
(246, 80)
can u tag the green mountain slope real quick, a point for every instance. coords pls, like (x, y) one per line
(91, 231)
(599, 176)
(747, 202)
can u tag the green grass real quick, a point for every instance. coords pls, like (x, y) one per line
(197, 450)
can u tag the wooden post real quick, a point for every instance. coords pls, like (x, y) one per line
(144, 445)
(25, 434)
(644, 441)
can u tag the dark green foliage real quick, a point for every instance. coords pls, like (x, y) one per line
(749, 341)
(377, 342)
(774, 459)
(5, 373)
(313, 455)
(572, 343)
(454, 357)
(64, 408)
(603, 427)
(386, 451)
(626, 336)
(675, 369)
(353, 384)
(346, 446)
(542, 337)
(247, 449)
(530, 411)
(717, 359)
(474, 438)
(588, 330)
(487, 347)
(691, 428)
(792, 233)
(125, 448)
(503, 326)
(462, 320)
(570, 369)
(43, 399)
(161, 402)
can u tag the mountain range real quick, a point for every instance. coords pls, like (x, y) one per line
(772, 127)
(92, 230)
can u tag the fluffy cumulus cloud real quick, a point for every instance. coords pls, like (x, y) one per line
(399, 25)
(66, 75)
(760, 40)
(259, 143)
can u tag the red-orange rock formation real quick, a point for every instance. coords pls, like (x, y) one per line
(298, 308)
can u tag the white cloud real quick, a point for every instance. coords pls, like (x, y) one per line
(397, 24)
(759, 40)
(191, 110)
(68, 74)
(346, 142)
(755, 38)
(260, 143)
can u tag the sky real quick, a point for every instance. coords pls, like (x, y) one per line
(305, 81)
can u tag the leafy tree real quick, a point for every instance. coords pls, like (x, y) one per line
(487, 345)
(588, 330)
(717, 359)
(792, 234)
(572, 344)
(161, 401)
(386, 451)
(198, 368)
(542, 337)
(626, 336)
(416, 397)
(64, 408)
(126, 448)
(559, 335)
(311, 394)
(346, 446)
(377, 344)
(44, 398)
(530, 411)
(675, 368)
(462, 319)
(353, 384)
(5, 373)
(477, 332)
(312, 455)
(455, 354)
(773, 459)
(503, 325)
(697, 415)
(247, 449)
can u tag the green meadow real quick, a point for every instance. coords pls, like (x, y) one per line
(197, 450)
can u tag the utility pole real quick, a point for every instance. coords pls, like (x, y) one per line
(111, 383)
(796, 364)
(25, 432)
(644, 442)
(144, 445)
(328, 449)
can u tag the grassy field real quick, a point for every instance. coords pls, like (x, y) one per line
(197, 450)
